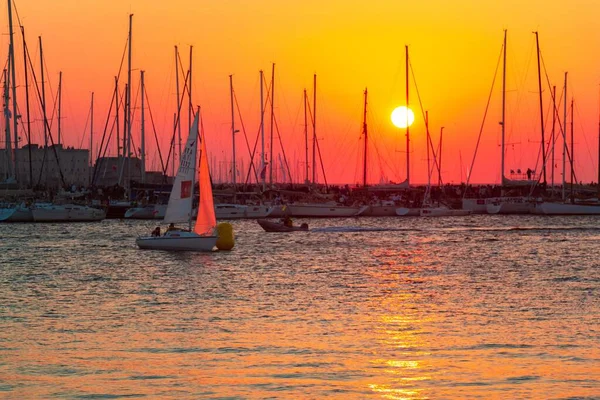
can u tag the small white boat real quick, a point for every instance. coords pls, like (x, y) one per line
(67, 213)
(178, 240)
(179, 210)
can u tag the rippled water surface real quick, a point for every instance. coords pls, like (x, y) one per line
(389, 308)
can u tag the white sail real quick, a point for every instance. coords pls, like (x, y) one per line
(179, 209)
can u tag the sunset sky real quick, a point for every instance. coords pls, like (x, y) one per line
(454, 50)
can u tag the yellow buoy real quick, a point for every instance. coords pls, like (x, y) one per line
(225, 239)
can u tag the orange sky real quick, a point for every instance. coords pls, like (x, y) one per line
(454, 48)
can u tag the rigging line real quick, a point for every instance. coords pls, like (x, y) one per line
(177, 122)
(87, 119)
(252, 166)
(100, 149)
(282, 149)
(258, 134)
(429, 143)
(46, 124)
(588, 147)
(487, 106)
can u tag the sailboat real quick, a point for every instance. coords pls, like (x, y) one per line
(179, 208)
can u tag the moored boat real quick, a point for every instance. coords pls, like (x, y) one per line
(272, 226)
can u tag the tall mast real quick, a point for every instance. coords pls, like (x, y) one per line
(7, 124)
(117, 123)
(598, 181)
(306, 137)
(262, 132)
(365, 135)
(92, 134)
(564, 132)
(572, 155)
(553, 136)
(178, 101)
(27, 106)
(14, 85)
(143, 129)
(503, 123)
(43, 93)
(440, 154)
(272, 123)
(537, 42)
(314, 143)
(428, 140)
(128, 105)
(233, 170)
(190, 109)
(59, 103)
(407, 125)
(173, 145)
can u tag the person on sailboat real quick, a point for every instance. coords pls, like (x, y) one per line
(156, 232)
(171, 227)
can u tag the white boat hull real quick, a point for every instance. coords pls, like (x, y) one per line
(546, 208)
(16, 214)
(510, 206)
(178, 241)
(67, 213)
(377, 211)
(156, 211)
(230, 211)
(259, 211)
(321, 211)
(408, 212)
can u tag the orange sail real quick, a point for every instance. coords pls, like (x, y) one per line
(206, 220)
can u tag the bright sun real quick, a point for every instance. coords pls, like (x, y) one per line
(403, 117)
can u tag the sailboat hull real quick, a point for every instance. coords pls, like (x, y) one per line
(177, 241)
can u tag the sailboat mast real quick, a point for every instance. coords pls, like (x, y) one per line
(365, 135)
(14, 84)
(7, 124)
(128, 106)
(537, 42)
(143, 129)
(59, 103)
(27, 106)
(314, 147)
(262, 132)
(272, 123)
(306, 137)
(564, 132)
(503, 123)
(440, 154)
(233, 170)
(407, 125)
(572, 155)
(428, 140)
(553, 136)
(43, 92)
(598, 181)
(190, 109)
(92, 134)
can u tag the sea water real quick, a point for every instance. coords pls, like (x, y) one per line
(487, 307)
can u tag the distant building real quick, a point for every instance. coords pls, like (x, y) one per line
(106, 172)
(44, 167)
(74, 165)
